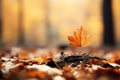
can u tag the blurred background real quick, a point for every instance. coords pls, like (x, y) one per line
(48, 22)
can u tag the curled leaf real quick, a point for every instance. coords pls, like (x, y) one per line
(79, 38)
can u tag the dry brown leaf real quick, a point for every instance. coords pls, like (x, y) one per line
(36, 73)
(80, 38)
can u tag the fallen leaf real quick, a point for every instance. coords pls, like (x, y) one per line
(80, 38)
(39, 60)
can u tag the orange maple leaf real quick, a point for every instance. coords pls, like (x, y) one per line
(80, 38)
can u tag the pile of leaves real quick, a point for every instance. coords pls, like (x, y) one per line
(17, 63)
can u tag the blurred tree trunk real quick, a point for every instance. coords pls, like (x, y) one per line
(20, 23)
(0, 21)
(108, 23)
(48, 25)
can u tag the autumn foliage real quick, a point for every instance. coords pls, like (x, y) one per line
(80, 38)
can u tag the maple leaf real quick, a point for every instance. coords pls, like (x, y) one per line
(80, 38)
